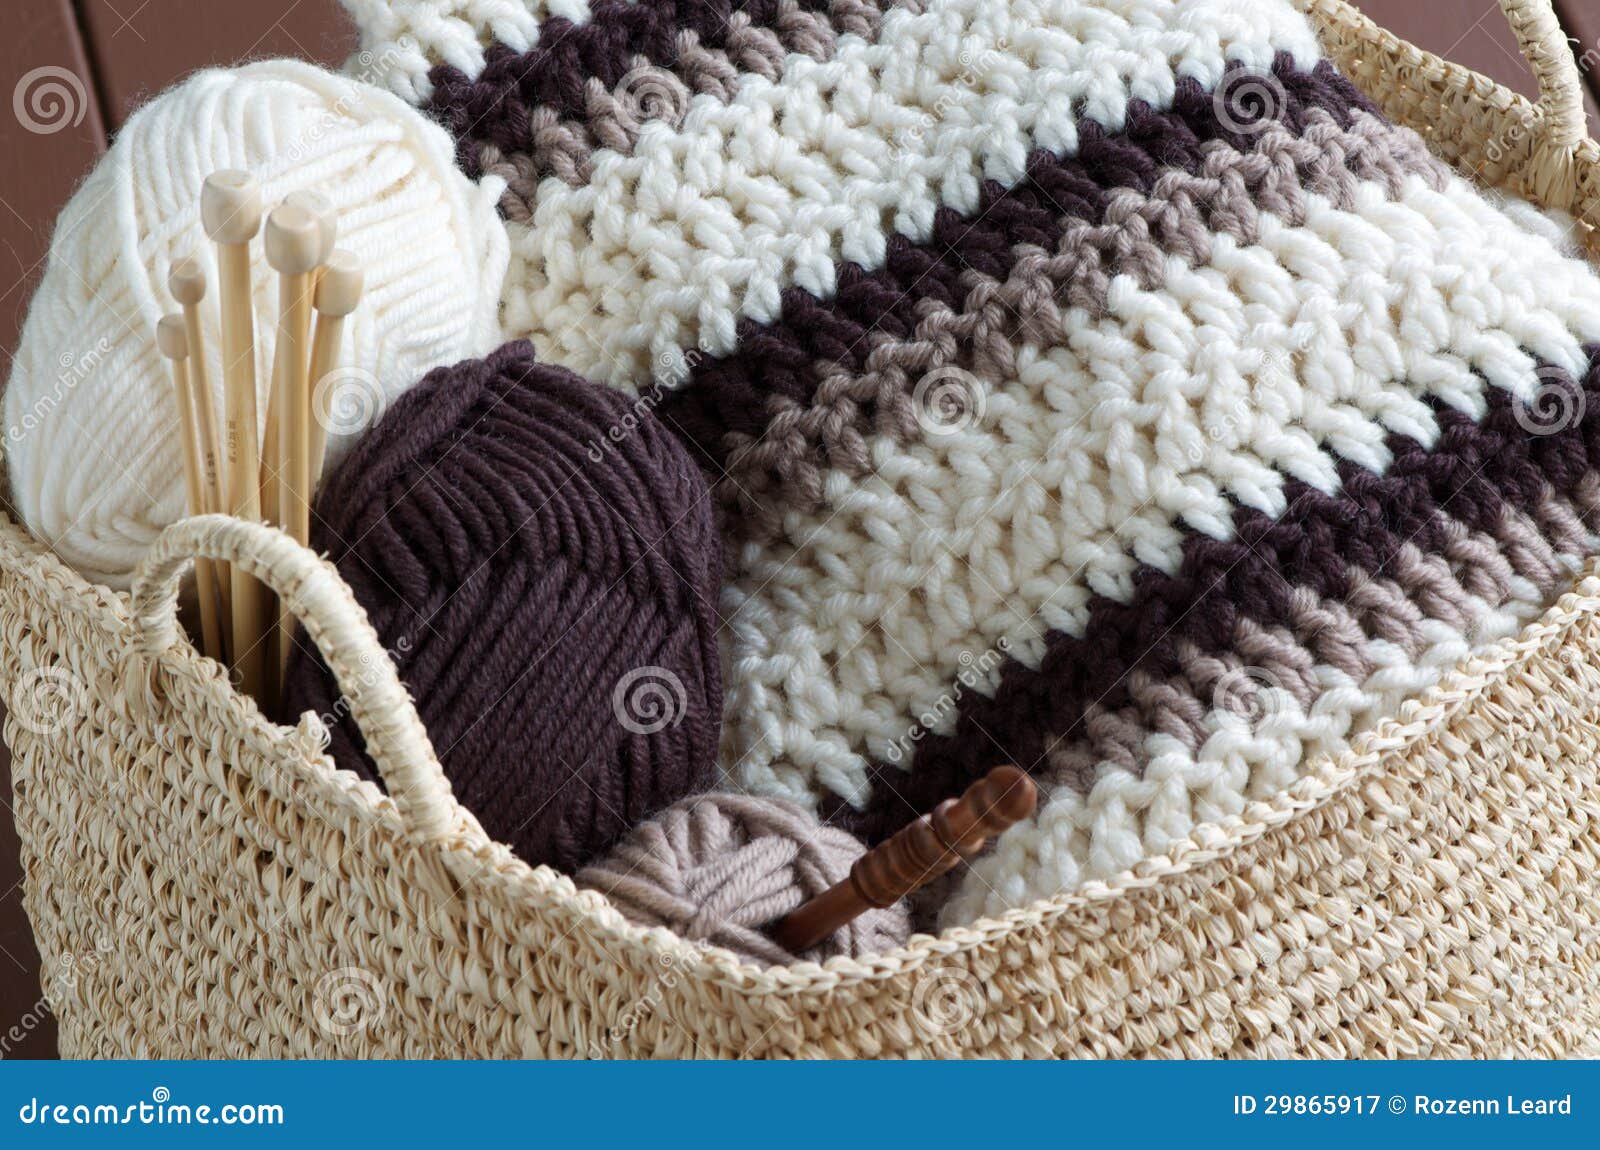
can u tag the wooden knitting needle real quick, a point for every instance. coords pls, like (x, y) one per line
(187, 283)
(294, 248)
(230, 210)
(327, 228)
(338, 292)
(913, 857)
(327, 222)
(173, 341)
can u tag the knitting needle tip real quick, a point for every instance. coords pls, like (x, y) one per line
(339, 289)
(187, 281)
(172, 340)
(230, 207)
(327, 223)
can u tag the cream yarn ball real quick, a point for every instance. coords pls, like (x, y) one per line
(92, 452)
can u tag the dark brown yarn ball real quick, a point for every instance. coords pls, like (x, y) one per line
(540, 558)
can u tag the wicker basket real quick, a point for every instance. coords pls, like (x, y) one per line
(204, 883)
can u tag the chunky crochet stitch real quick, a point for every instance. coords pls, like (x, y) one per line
(540, 560)
(1098, 385)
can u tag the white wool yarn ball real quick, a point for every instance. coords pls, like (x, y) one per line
(92, 449)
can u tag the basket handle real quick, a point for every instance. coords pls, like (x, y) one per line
(315, 593)
(1474, 123)
(1546, 49)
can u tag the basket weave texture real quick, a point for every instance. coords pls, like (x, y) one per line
(203, 883)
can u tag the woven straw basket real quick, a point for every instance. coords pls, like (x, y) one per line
(204, 883)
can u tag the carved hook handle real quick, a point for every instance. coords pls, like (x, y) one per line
(913, 856)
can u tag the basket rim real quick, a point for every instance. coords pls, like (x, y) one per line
(487, 868)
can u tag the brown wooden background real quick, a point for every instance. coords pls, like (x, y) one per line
(122, 51)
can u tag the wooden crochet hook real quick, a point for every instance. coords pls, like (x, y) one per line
(230, 211)
(173, 341)
(294, 249)
(327, 227)
(339, 290)
(914, 856)
(187, 283)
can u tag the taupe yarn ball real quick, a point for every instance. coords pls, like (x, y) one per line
(718, 868)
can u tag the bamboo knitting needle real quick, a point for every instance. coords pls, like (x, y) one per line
(230, 210)
(173, 342)
(338, 292)
(913, 857)
(327, 234)
(294, 248)
(187, 283)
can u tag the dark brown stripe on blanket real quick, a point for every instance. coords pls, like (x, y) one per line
(1330, 546)
(593, 85)
(727, 404)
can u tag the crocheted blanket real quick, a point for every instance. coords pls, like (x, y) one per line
(1102, 386)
